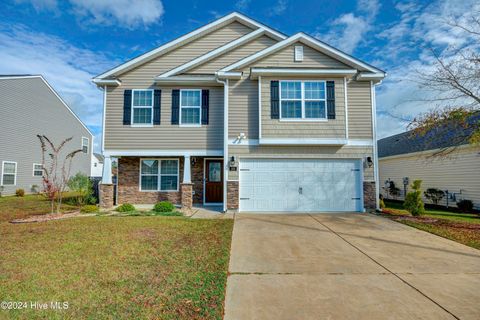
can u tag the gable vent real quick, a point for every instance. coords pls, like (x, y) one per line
(298, 53)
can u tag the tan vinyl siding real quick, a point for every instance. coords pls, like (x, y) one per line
(183, 54)
(276, 128)
(228, 58)
(302, 152)
(27, 108)
(460, 171)
(243, 108)
(164, 136)
(311, 59)
(359, 110)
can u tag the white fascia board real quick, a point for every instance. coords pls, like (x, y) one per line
(106, 82)
(301, 72)
(228, 75)
(234, 16)
(161, 153)
(303, 141)
(214, 53)
(318, 45)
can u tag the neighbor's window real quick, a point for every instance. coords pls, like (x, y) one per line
(303, 100)
(142, 106)
(9, 173)
(85, 143)
(159, 175)
(190, 106)
(37, 170)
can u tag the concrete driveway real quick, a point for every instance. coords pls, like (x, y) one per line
(347, 266)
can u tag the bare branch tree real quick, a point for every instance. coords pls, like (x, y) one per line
(56, 171)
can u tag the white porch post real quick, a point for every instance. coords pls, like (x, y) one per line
(186, 170)
(107, 171)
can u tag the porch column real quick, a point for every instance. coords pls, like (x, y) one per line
(107, 171)
(186, 185)
(187, 176)
(106, 187)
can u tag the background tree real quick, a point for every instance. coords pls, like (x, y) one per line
(454, 81)
(56, 169)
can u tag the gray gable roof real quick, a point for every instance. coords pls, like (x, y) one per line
(440, 138)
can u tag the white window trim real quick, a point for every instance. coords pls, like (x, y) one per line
(15, 174)
(159, 175)
(140, 125)
(37, 164)
(193, 125)
(88, 145)
(302, 99)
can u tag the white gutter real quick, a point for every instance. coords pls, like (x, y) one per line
(228, 74)
(301, 72)
(366, 76)
(346, 106)
(375, 152)
(101, 82)
(225, 141)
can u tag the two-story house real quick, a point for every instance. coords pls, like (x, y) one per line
(238, 114)
(29, 106)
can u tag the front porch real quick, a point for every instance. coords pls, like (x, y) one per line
(185, 180)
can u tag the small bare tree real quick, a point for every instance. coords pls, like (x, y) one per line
(455, 82)
(56, 169)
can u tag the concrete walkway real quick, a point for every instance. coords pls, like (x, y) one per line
(347, 266)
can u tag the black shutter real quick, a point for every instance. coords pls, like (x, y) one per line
(331, 99)
(127, 107)
(274, 100)
(157, 98)
(175, 105)
(205, 102)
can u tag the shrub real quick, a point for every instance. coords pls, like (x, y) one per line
(382, 203)
(434, 195)
(465, 205)
(89, 208)
(126, 207)
(163, 206)
(20, 192)
(82, 186)
(413, 201)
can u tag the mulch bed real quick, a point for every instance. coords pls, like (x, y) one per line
(51, 216)
(436, 222)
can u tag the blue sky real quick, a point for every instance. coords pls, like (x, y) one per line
(70, 41)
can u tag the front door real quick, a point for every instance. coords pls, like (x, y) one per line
(213, 181)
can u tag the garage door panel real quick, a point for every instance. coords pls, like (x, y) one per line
(296, 185)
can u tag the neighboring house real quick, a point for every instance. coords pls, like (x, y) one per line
(413, 157)
(97, 165)
(29, 106)
(238, 114)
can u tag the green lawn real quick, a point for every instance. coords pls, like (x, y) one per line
(138, 267)
(460, 227)
(13, 207)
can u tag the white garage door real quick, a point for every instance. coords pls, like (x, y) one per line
(295, 185)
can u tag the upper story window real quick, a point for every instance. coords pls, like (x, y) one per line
(304, 100)
(37, 170)
(9, 173)
(190, 107)
(85, 144)
(142, 107)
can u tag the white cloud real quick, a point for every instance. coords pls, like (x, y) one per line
(67, 68)
(348, 31)
(242, 4)
(127, 13)
(280, 7)
(123, 13)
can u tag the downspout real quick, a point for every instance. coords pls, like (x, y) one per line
(375, 152)
(225, 140)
